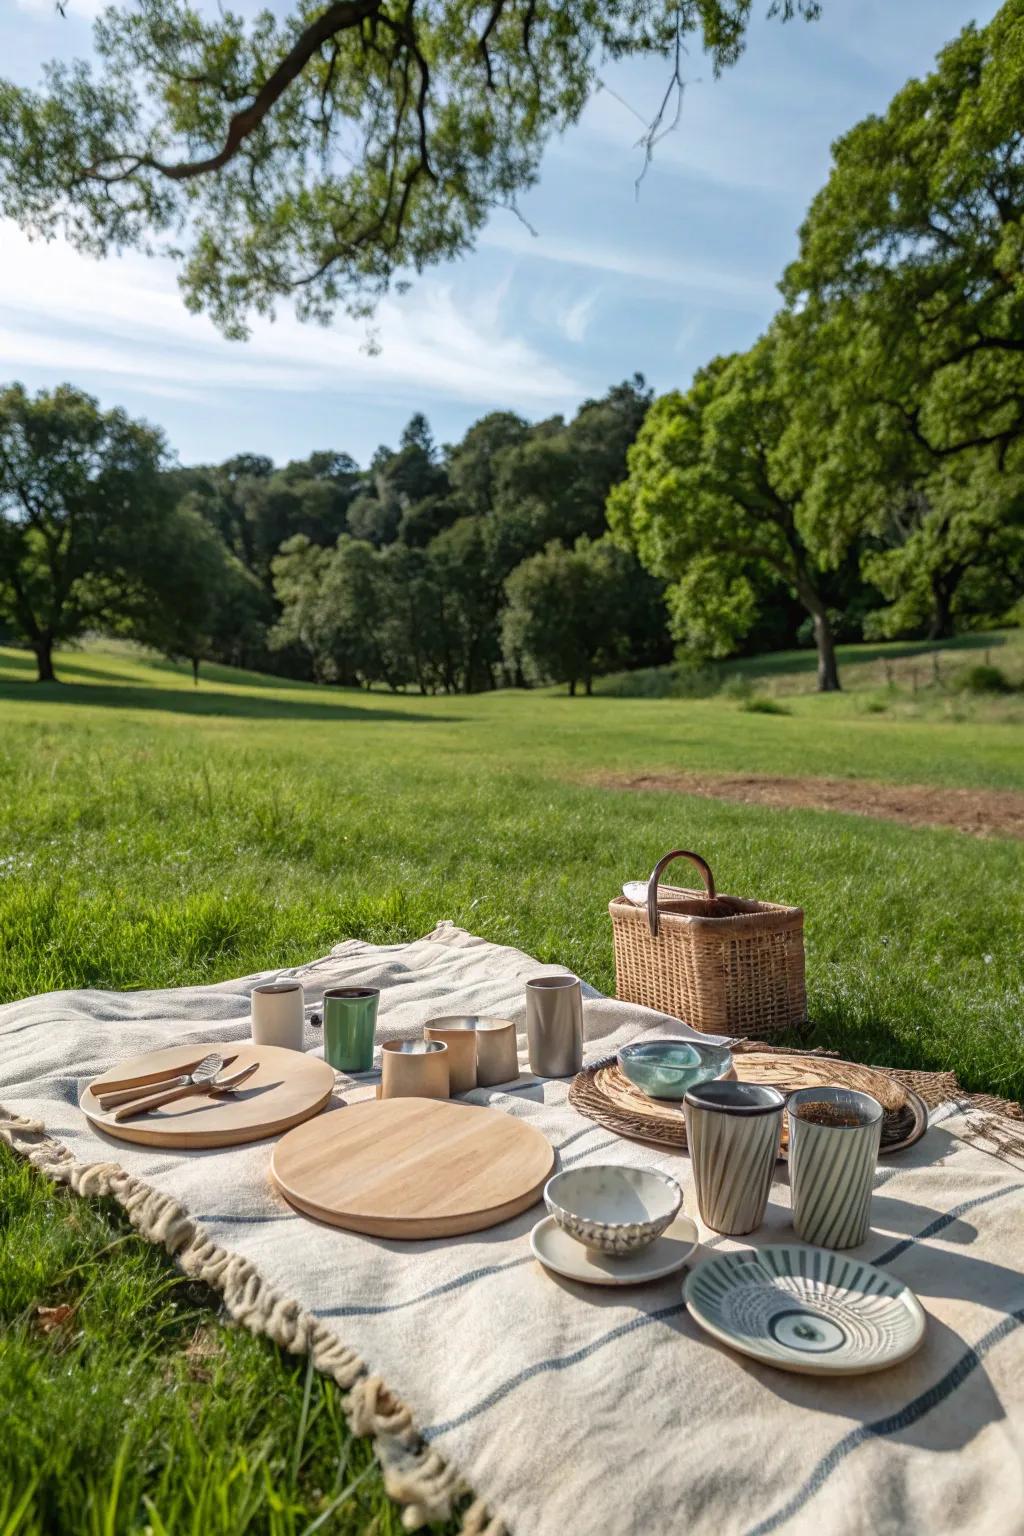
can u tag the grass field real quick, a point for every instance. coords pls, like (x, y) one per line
(155, 835)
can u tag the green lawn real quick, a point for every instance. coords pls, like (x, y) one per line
(152, 835)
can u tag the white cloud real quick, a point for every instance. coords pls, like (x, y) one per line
(575, 320)
(706, 282)
(124, 318)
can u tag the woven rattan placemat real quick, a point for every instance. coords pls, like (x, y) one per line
(604, 1094)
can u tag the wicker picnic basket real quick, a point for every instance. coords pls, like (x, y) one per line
(720, 964)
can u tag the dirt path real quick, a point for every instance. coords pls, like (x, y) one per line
(978, 812)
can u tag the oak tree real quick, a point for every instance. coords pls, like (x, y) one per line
(319, 151)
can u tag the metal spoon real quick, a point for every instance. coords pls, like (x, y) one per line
(214, 1087)
(201, 1073)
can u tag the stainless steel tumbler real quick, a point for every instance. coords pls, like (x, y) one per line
(350, 1019)
(554, 1025)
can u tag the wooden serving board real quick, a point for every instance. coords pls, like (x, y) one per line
(413, 1168)
(287, 1086)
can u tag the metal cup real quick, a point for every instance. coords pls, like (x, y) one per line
(554, 1025)
(497, 1057)
(733, 1132)
(461, 1043)
(350, 1019)
(277, 1014)
(832, 1164)
(414, 1069)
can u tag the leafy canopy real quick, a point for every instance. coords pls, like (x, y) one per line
(319, 152)
(912, 255)
(714, 499)
(83, 509)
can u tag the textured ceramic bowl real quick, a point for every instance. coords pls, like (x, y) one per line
(668, 1069)
(613, 1210)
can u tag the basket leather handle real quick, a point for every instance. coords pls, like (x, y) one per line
(652, 884)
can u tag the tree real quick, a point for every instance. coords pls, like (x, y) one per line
(205, 604)
(396, 485)
(911, 254)
(473, 464)
(566, 612)
(317, 153)
(81, 503)
(907, 322)
(714, 498)
(255, 508)
(950, 551)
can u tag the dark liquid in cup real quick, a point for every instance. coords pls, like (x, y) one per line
(824, 1112)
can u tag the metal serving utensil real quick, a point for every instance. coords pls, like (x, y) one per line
(200, 1073)
(213, 1087)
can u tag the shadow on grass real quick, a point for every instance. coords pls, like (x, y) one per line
(775, 662)
(201, 702)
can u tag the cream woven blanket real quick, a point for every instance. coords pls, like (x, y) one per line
(568, 1409)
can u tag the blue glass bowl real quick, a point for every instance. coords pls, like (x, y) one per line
(668, 1069)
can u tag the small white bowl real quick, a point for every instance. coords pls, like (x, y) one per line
(613, 1210)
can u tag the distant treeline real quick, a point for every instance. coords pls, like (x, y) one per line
(482, 564)
(857, 473)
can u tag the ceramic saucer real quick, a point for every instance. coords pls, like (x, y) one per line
(806, 1309)
(557, 1251)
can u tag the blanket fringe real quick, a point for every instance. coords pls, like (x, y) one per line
(415, 1475)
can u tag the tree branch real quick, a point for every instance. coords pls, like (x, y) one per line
(339, 17)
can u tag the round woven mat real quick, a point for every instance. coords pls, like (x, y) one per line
(603, 1093)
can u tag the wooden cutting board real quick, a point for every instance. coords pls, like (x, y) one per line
(413, 1168)
(287, 1086)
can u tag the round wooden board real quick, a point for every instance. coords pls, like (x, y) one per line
(287, 1086)
(413, 1168)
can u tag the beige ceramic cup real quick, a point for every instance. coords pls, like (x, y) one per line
(414, 1069)
(277, 1014)
(461, 1043)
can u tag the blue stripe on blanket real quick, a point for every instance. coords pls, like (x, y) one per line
(941, 1222)
(469, 1278)
(562, 1363)
(907, 1416)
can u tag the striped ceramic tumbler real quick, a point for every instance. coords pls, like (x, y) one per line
(834, 1136)
(733, 1131)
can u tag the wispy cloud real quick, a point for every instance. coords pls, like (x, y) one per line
(737, 288)
(124, 318)
(576, 319)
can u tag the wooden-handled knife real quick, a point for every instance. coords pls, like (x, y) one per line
(215, 1086)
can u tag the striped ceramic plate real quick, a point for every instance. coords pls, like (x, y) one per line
(805, 1309)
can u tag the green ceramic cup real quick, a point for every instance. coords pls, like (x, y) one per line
(350, 1019)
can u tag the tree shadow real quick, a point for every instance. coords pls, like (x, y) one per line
(199, 701)
(774, 662)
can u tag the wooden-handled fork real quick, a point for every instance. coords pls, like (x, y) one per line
(215, 1085)
(198, 1072)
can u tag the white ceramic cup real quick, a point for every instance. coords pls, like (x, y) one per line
(277, 1014)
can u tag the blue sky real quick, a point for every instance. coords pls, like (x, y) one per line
(610, 284)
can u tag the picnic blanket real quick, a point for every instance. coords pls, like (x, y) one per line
(567, 1408)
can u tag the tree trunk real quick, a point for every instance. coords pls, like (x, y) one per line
(828, 668)
(43, 648)
(941, 626)
(195, 671)
(589, 686)
(572, 688)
